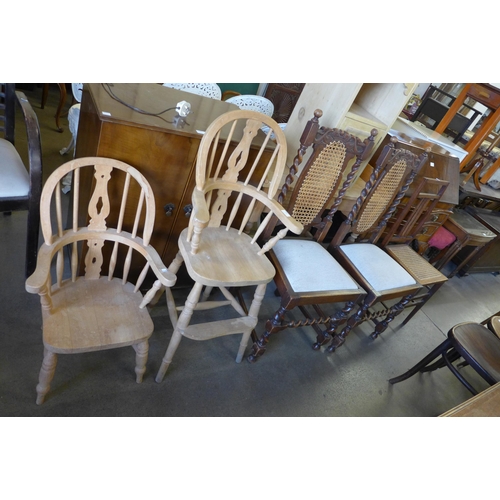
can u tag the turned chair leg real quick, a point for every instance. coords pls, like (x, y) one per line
(182, 324)
(46, 375)
(141, 357)
(252, 313)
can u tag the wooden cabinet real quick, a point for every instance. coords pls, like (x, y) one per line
(355, 107)
(162, 148)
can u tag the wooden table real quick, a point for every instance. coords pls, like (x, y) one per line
(162, 148)
(485, 404)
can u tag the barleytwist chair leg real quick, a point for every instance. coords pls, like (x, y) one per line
(335, 321)
(353, 321)
(46, 375)
(396, 310)
(259, 347)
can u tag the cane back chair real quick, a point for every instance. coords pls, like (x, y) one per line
(94, 311)
(306, 274)
(215, 249)
(380, 274)
(403, 228)
(20, 188)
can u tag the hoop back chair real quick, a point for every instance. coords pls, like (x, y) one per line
(377, 272)
(306, 274)
(19, 188)
(211, 90)
(215, 248)
(92, 312)
(253, 103)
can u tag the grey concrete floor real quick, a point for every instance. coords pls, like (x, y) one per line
(289, 380)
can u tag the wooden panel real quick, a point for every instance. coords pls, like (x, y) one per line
(487, 95)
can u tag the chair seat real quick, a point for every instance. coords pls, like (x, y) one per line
(104, 314)
(481, 344)
(225, 258)
(310, 268)
(379, 270)
(416, 265)
(15, 178)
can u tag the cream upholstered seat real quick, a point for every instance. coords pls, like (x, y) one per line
(211, 90)
(387, 274)
(300, 260)
(99, 308)
(231, 177)
(20, 187)
(351, 273)
(306, 274)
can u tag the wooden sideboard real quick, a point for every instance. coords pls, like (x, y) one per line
(162, 148)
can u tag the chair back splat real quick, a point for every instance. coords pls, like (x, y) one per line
(238, 172)
(89, 304)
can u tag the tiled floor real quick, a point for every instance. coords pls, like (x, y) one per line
(289, 380)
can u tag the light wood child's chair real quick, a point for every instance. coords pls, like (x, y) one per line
(231, 182)
(99, 309)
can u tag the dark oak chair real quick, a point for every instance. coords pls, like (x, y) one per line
(382, 276)
(475, 343)
(402, 230)
(306, 274)
(20, 188)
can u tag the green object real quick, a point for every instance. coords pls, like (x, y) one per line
(242, 88)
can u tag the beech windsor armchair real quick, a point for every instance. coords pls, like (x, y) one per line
(215, 248)
(306, 274)
(99, 309)
(20, 188)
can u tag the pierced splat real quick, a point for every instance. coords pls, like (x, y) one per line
(94, 312)
(99, 205)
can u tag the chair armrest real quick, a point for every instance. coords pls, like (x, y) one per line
(200, 214)
(285, 218)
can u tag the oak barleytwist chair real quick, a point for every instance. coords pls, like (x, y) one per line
(306, 274)
(20, 188)
(381, 275)
(99, 309)
(211, 90)
(253, 103)
(74, 117)
(475, 343)
(403, 228)
(230, 182)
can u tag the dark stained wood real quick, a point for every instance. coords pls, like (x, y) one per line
(31, 203)
(304, 207)
(475, 343)
(284, 96)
